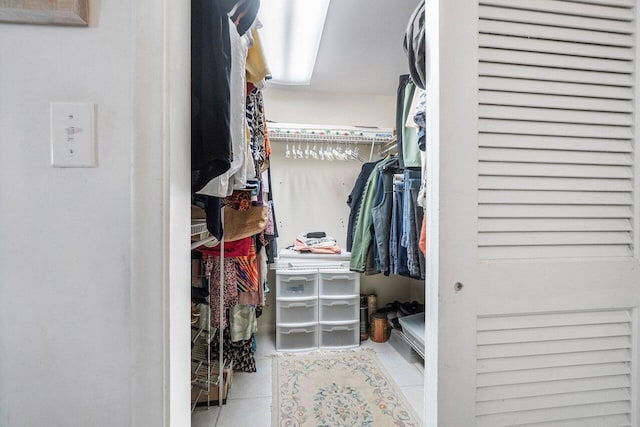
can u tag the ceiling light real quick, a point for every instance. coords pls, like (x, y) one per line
(291, 35)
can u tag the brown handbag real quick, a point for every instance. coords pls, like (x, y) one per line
(241, 224)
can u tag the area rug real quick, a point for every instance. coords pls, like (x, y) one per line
(336, 389)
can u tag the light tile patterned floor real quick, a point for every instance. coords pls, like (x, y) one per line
(249, 400)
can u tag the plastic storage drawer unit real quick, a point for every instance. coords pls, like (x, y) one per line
(340, 336)
(297, 338)
(295, 312)
(339, 310)
(296, 284)
(339, 283)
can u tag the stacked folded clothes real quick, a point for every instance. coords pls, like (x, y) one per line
(317, 243)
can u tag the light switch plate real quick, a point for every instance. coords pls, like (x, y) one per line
(73, 135)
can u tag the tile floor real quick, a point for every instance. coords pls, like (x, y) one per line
(249, 400)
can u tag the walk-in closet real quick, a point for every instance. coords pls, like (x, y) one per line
(249, 213)
(307, 226)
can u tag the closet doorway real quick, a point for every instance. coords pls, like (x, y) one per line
(354, 87)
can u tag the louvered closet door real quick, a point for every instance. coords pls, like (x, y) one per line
(538, 193)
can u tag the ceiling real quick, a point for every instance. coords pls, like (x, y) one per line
(361, 49)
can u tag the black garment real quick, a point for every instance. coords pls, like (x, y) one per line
(414, 46)
(402, 84)
(210, 92)
(355, 199)
(213, 209)
(245, 15)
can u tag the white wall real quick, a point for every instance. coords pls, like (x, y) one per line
(69, 349)
(311, 195)
(326, 108)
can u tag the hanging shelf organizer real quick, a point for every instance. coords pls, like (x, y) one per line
(339, 134)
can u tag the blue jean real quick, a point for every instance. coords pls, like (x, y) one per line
(381, 214)
(398, 253)
(412, 222)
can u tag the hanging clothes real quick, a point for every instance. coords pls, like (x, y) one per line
(414, 46)
(355, 199)
(220, 186)
(412, 223)
(211, 86)
(381, 215)
(410, 149)
(257, 128)
(230, 288)
(257, 68)
(210, 91)
(363, 238)
(241, 353)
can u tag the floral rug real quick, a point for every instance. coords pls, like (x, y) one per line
(335, 389)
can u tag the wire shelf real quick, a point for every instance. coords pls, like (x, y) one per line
(346, 134)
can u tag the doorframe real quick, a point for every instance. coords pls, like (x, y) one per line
(431, 363)
(160, 216)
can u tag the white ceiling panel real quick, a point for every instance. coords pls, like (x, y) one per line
(362, 47)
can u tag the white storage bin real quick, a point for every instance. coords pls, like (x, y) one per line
(340, 336)
(296, 284)
(340, 310)
(303, 311)
(297, 338)
(339, 283)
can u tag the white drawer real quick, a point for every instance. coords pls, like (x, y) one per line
(297, 338)
(297, 311)
(339, 283)
(296, 284)
(340, 336)
(340, 310)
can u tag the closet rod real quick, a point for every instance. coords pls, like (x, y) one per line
(388, 150)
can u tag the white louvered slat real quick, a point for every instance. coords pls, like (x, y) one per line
(541, 388)
(554, 360)
(556, 128)
(554, 60)
(552, 401)
(554, 414)
(555, 252)
(553, 347)
(566, 8)
(554, 115)
(498, 385)
(496, 168)
(517, 155)
(493, 41)
(554, 211)
(527, 76)
(503, 14)
(621, 420)
(487, 26)
(553, 184)
(554, 333)
(544, 320)
(555, 102)
(554, 238)
(555, 224)
(554, 367)
(554, 143)
(553, 198)
(554, 84)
